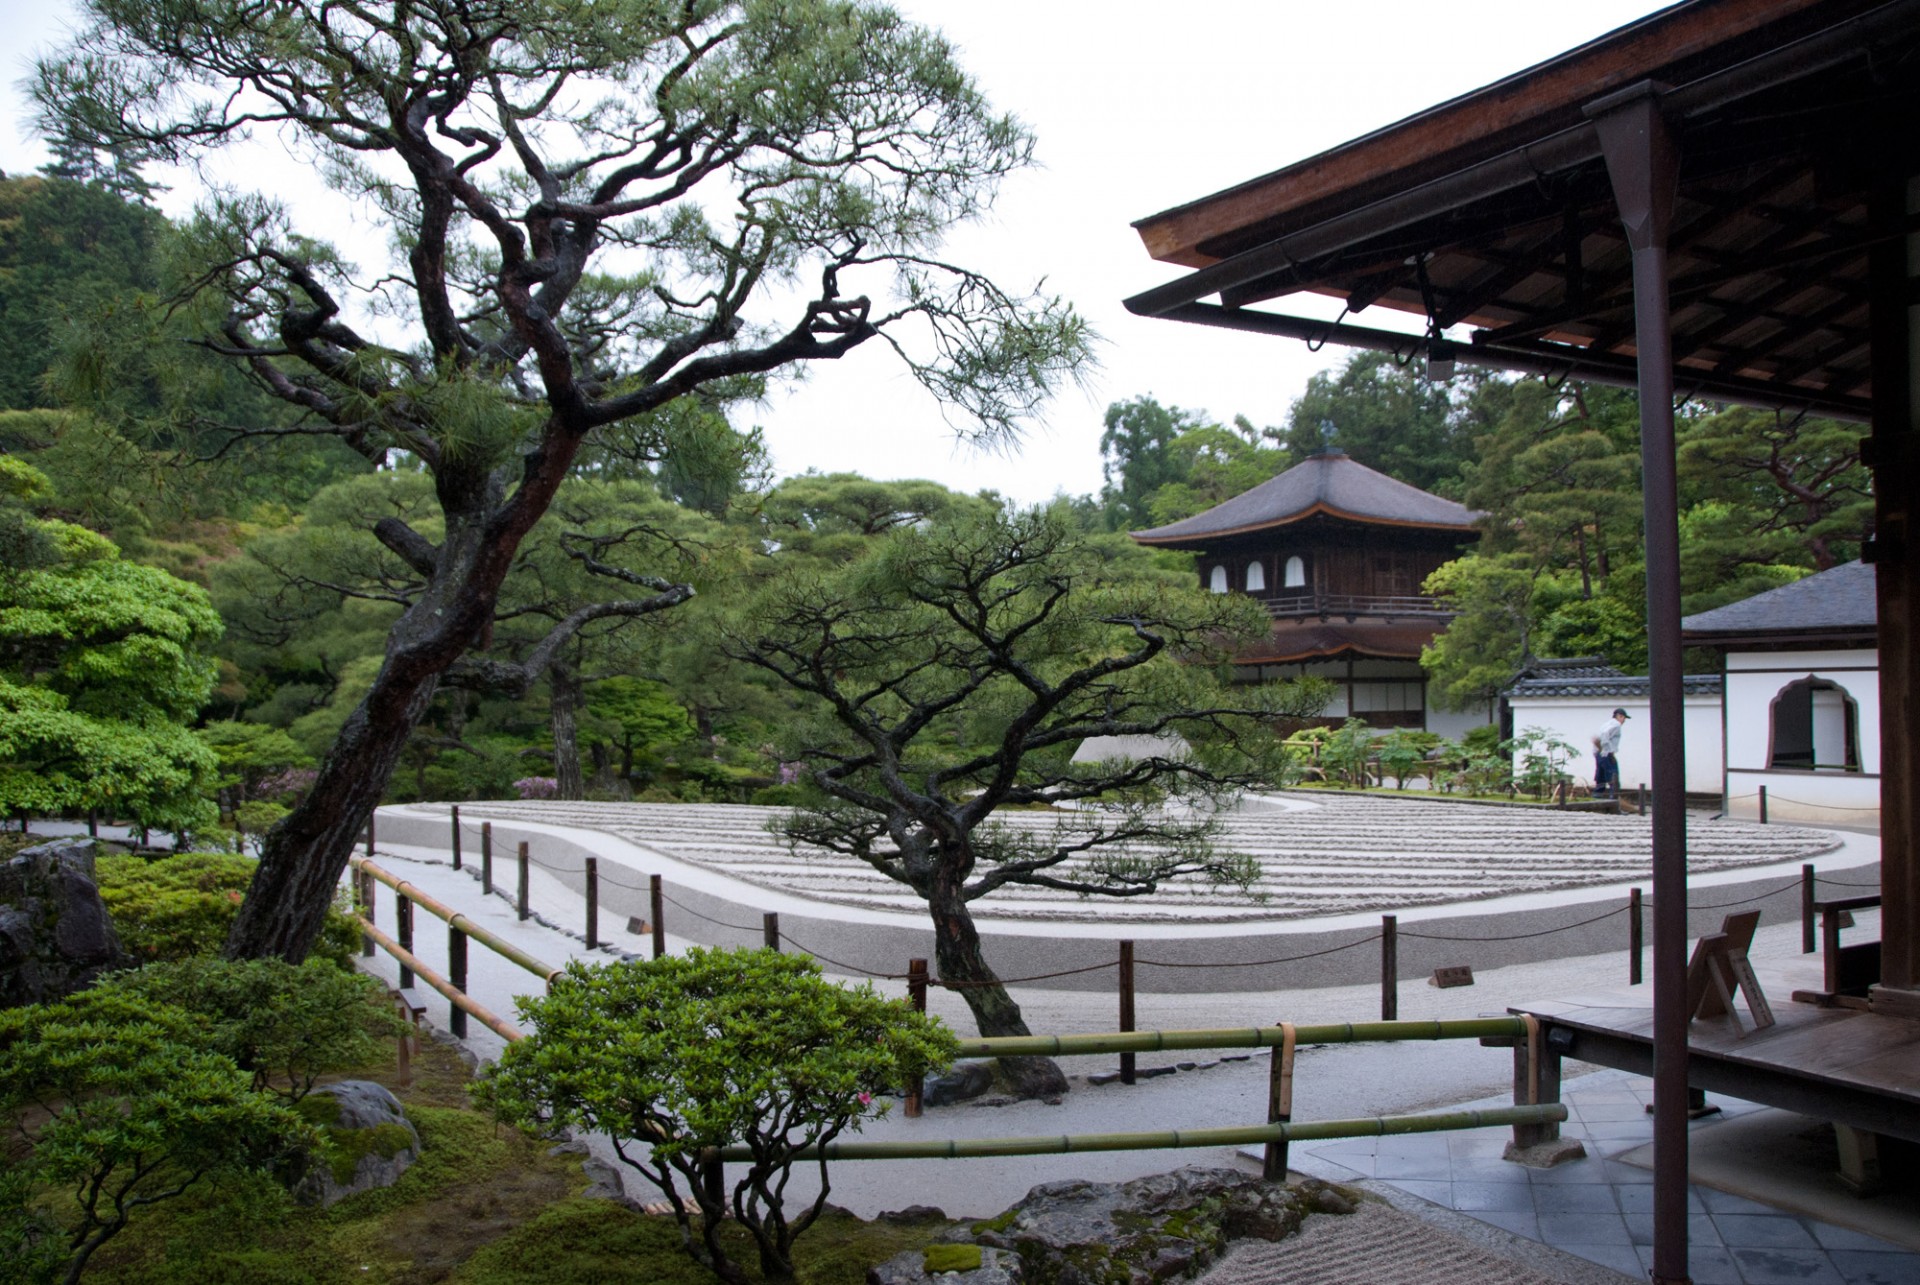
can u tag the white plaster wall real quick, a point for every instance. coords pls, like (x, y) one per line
(1454, 725)
(1822, 797)
(1757, 679)
(1577, 721)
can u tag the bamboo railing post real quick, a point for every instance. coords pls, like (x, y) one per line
(1763, 805)
(1389, 968)
(1279, 1104)
(770, 931)
(917, 995)
(456, 835)
(520, 900)
(403, 921)
(486, 858)
(1536, 1082)
(658, 896)
(1809, 893)
(1127, 1068)
(367, 895)
(1636, 937)
(593, 903)
(457, 975)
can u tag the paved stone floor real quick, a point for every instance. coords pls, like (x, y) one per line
(1320, 854)
(1601, 1209)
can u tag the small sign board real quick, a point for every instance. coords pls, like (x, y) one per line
(639, 927)
(1450, 976)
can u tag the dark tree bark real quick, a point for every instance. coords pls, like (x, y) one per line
(964, 968)
(563, 721)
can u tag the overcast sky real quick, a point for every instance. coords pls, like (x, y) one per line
(1137, 108)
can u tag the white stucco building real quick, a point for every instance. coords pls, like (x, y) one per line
(1573, 699)
(1802, 707)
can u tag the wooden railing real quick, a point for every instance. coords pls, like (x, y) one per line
(1349, 604)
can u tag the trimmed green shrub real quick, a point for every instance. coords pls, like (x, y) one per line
(676, 1055)
(116, 1110)
(181, 906)
(284, 1024)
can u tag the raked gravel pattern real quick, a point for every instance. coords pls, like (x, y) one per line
(1337, 855)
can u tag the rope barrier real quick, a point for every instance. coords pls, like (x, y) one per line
(739, 928)
(1544, 932)
(1788, 886)
(1259, 963)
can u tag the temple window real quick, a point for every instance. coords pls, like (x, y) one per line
(1296, 572)
(1815, 724)
(1256, 577)
(1218, 581)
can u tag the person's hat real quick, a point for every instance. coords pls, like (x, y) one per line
(1621, 713)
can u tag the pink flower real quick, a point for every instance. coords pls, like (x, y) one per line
(866, 1099)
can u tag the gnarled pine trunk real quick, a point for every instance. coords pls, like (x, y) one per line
(956, 950)
(563, 720)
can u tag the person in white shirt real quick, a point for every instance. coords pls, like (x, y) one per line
(1606, 757)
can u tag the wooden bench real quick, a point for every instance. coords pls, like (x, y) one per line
(1849, 972)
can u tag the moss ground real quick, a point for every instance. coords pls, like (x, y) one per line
(484, 1205)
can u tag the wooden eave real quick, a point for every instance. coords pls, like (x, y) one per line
(1494, 211)
(1202, 539)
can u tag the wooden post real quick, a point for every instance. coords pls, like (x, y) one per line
(659, 899)
(1808, 895)
(520, 900)
(1389, 968)
(457, 975)
(1636, 938)
(770, 931)
(486, 858)
(366, 911)
(403, 922)
(456, 836)
(1763, 805)
(1643, 798)
(1536, 1079)
(917, 994)
(593, 903)
(369, 836)
(1279, 1104)
(93, 825)
(1126, 1008)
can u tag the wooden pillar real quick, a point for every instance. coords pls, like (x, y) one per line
(657, 896)
(1893, 452)
(454, 813)
(520, 897)
(1389, 968)
(457, 976)
(770, 931)
(593, 903)
(917, 996)
(1127, 1060)
(403, 929)
(1643, 165)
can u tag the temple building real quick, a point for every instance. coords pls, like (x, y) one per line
(1337, 553)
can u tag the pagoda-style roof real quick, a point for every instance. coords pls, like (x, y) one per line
(1328, 483)
(1833, 606)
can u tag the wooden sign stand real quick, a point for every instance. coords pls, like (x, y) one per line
(1720, 967)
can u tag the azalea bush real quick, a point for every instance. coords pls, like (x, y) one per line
(183, 905)
(283, 1024)
(113, 1105)
(675, 1056)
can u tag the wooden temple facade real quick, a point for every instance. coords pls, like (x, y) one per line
(1338, 554)
(1720, 201)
